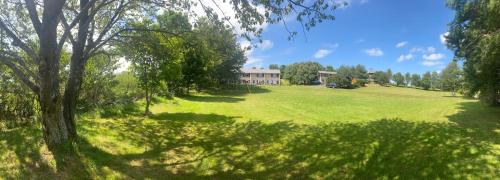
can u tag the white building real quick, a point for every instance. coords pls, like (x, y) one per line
(324, 75)
(260, 76)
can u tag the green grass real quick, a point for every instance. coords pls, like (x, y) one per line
(278, 133)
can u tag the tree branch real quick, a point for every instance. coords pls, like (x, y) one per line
(19, 74)
(17, 42)
(31, 6)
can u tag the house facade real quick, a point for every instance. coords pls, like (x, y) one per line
(260, 76)
(324, 75)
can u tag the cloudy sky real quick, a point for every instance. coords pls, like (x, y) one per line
(403, 35)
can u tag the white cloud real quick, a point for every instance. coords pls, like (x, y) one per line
(322, 53)
(429, 49)
(266, 44)
(405, 57)
(374, 52)
(401, 44)
(330, 48)
(431, 63)
(443, 37)
(433, 57)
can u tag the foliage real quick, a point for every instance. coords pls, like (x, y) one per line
(416, 81)
(407, 79)
(399, 79)
(303, 73)
(475, 38)
(274, 66)
(350, 76)
(18, 104)
(98, 83)
(381, 77)
(451, 77)
(435, 80)
(425, 83)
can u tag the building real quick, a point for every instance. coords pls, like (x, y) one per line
(324, 75)
(260, 76)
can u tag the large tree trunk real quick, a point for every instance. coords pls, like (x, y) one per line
(77, 67)
(54, 127)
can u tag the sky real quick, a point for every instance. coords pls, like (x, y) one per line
(403, 35)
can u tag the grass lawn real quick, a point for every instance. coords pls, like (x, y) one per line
(293, 132)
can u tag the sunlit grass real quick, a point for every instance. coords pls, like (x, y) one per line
(278, 132)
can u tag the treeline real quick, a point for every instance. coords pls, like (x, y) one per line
(189, 57)
(449, 79)
(306, 73)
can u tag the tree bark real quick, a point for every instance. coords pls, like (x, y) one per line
(148, 100)
(54, 127)
(77, 68)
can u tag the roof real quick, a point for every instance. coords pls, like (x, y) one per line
(327, 72)
(268, 71)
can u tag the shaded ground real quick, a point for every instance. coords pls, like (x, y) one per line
(187, 145)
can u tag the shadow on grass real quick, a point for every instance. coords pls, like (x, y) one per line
(480, 118)
(239, 90)
(224, 99)
(187, 145)
(200, 146)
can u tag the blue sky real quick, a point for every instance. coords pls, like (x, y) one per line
(402, 35)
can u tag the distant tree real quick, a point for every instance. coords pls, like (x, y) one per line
(329, 68)
(381, 77)
(415, 80)
(303, 73)
(389, 75)
(399, 79)
(343, 78)
(435, 80)
(425, 83)
(407, 79)
(282, 70)
(451, 77)
(274, 66)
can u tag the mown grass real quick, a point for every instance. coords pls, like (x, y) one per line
(277, 133)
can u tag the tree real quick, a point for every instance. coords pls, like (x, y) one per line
(350, 77)
(415, 80)
(303, 73)
(399, 79)
(274, 66)
(39, 31)
(330, 68)
(425, 83)
(475, 38)
(407, 79)
(435, 80)
(381, 77)
(451, 77)
(389, 75)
